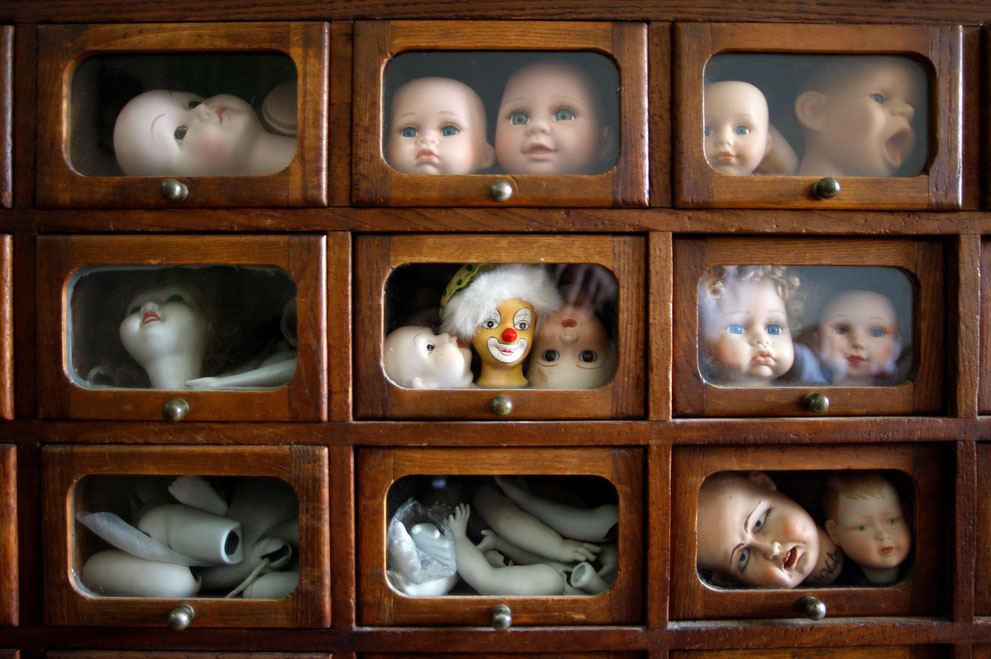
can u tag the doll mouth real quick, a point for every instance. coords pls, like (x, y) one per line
(506, 353)
(150, 317)
(425, 154)
(725, 157)
(856, 359)
(221, 113)
(886, 551)
(764, 357)
(791, 558)
(896, 146)
(538, 150)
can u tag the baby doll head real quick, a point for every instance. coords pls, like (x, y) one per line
(437, 126)
(857, 338)
(572, 351)
(550, 122)
(736, 130)
(416, 358)
(744, 334)
(865, 518)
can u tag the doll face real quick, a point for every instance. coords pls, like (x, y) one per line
(438, 127)
(749, 531)
(747, 336)
(167, 133)
(416, 357)
(571, 351)
(549, 123)
(164, 322)
(505, 336)
(871, 529)
(858, 337)
(736, 135)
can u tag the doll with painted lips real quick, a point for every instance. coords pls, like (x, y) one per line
(736, 129)
(857, 339)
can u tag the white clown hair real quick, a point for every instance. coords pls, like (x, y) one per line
(466, 310)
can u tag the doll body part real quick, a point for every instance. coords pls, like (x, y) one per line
(572, 351)
(416, 358)
(736, 129)
(857, 338)
(588, 524)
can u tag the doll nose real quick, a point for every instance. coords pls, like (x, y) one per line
(904, 110)
(150, 304)
(538, 126)
(508, 335)
(427, 137)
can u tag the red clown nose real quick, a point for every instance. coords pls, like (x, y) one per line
(508, 335)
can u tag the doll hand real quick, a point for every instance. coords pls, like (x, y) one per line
(580, 551)
(488, 541)
(458, 520)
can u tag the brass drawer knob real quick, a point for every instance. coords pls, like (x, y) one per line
(502, 405)
(180, 617)
(501, 191)
(502, 617)
(816, 402)
(174, 190)
(825, 188)
(813, 607)
(175, 409)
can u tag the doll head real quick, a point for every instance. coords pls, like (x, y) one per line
(550, 122)
(735, 127)
(572, 351)
(438, 127)
(857, 338)
(744, 334)
(172, 133)
(497, 309)
(416, 358)
(750, 533)
(865, 518)
(856, 116)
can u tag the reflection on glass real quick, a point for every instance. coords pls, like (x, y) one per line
(174, 537)
(500, 326)
(816, 115)
(183, 114)
(188, 327)
(804, 528)
(508, 535)
(509, 112)
(805, 325)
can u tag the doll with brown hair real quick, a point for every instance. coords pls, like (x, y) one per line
(858, 340)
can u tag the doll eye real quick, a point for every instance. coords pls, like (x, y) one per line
(175, 297)
(519, 118)
(564, 114)
(861, 527)
(489, 324)
(430, 347)
(587, 356)
(840, 329)
(707, 131)
(742, 130)
(878, 98)
(742, 560)
(735, 328)
(892, 521)
(761, 520)
(876, 332)
(522, 325)
(774, 329)
(449, 131)
(193, 102)
(409, 131)
(550, 355)
(180, 133)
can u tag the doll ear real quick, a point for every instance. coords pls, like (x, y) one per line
(762, 479)
(809, 109)
(831, 530)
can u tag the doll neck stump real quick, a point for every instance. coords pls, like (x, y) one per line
(880, 575)
(502, 377)
(173, 371)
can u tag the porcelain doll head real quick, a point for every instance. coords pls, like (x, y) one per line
(744, 332)
(865, 518)
(856, 115)
(550, 122)
(437, 126)
(496, 309)
(857, 338)
(416, 358)
(572, 351)
(736, 131)
(173, 133)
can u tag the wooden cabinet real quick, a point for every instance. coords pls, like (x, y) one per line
(8, 535)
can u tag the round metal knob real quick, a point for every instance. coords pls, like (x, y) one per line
(816, 402)
(180, 617)
(813, 607)
(501, 191)
(175, 409)
(502, 617)
(825, 188)
(174, 190)
(502, 405)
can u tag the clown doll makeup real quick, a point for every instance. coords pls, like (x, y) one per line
(858, 339)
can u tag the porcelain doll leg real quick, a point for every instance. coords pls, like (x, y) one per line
(116, 573)
(590, 524)
(271, 586)
(196, 492)
(129, 539)
(584, 578)
(277, 552)
(491, 540)
(195, 533)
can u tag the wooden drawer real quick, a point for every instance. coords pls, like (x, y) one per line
(80, 65)
(114, 654)
(918, 471)
(873, 652)
(6, 327)
(984, 388)
(6, 114)
(386, 294)
(777, 60)
(239, 270)
(9, 593)
(982, 579)
(71, 480)
(378, 470)
(482, 54)
(896, 270)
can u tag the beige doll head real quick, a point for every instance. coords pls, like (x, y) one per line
(550, 122)
(437, 126)
(865, 518)
(416, 358)
(856, 115)
(858, 339)
(736, 130)
(572, 351)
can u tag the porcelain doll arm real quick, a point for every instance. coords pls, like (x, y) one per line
(492, 540)
(474, 568)
(526, 531)
(781, 159)
(589, 524)
(270, 375)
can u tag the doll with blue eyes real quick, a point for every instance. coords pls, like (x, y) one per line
(856, 116)
(437, 126)
(736, 129)
(858, 340)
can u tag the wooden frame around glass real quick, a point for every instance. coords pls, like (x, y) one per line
(6, 114)
(922, 593)
(61, 48)
(303, 257)
(378, 469)
(375, 183)
(305, 468)
(696, 184)
(982, 578)
(378, 256)
(921, 258)
(9, 590)
(6, 327)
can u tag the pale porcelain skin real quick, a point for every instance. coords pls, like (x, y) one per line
(503, 340)
(752, 534)
(572, 351)
(438, 127)
(118, 574)
(195, 533)
(858, 338)
(858, 122)
(736, 130)
(586, 524)
(416, 358)
(173, 133)
(549, 122)
(872, 531)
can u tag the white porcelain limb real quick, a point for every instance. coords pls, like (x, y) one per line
(584, 578)
(225, 577)
(195, 533)
(196, 492)
(516, 554)
(117, 573)
(269, 376)
(127, 538)
(272, 586)
(588, 524)
(429, 588)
